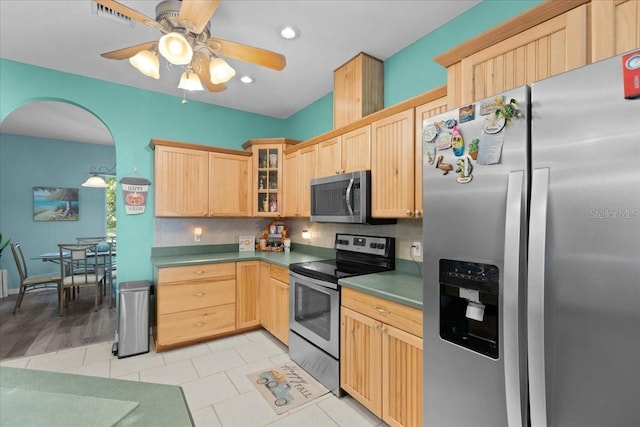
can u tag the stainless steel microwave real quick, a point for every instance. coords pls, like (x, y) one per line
(344, 198)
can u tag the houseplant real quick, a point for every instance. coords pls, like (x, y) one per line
(3, 245)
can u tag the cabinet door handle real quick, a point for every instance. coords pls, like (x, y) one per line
(198, 324)
(199, 294)
(409, 213)
(382, 310)
(375, 326)
(417, 213)
(384, 330)
(199, 272)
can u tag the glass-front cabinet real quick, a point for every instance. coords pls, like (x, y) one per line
(268, 164)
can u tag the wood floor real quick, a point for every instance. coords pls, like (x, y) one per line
(37, 328)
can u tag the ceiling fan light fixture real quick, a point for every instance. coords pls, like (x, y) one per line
(190, 81)
(220, 71)
(147, 63)
(175, 48)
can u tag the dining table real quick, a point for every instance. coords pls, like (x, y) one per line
(54, 257)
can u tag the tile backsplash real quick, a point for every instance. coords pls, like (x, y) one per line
(216, 231)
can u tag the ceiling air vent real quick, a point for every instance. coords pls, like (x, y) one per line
(110, 14)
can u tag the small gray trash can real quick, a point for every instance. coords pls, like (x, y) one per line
(133, 322)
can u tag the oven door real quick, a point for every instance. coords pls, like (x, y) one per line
(315, 312)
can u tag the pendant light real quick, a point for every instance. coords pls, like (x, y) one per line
(95, 181)
(175, 48)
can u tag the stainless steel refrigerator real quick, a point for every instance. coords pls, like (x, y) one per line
(532, 256)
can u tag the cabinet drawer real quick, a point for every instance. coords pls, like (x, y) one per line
(175, 297)
(279, 273)
(401, 316)
(176, 328)
(196, 272)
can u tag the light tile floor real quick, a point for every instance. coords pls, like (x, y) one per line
(213, 377)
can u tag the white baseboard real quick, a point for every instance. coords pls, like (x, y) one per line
(4, 282)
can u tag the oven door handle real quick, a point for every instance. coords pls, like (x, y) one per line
(348, 196)
(311, 282)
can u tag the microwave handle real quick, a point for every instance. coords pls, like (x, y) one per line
(348, 195)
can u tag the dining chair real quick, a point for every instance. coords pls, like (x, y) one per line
(105, 260)
(28, 283)
(79, 267)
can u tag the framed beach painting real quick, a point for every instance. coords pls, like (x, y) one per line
(56, 204)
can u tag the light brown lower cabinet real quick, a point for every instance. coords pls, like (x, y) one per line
(247, 293)
(380, 363)
(274, 300)
(195, 303)
(200, 302)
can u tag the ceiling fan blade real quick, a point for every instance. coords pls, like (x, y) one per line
(202, 70)
(197, 13)
(254, 55)
(128, 52)
(127, 11)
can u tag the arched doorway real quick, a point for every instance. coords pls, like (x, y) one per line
(51, 144)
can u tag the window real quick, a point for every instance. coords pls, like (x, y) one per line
(111, 206)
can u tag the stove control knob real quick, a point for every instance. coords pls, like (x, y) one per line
(372, 245)
(380, 245)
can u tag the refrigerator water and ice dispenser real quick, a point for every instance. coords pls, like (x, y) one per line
(469, 305)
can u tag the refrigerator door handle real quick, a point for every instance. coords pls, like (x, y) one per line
(511, 297)
(535, 297)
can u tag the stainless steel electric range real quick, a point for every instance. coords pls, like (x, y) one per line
(314, 315)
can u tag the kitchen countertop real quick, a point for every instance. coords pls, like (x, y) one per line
(283, 259)
(399, 286)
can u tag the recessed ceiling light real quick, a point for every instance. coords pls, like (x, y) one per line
(289, 32)
(246, 79)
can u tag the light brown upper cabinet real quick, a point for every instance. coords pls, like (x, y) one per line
(358, 89)
(345, 153)
(615, 27)
(200, 181)
(229, 177)
(267, 181)
(423, 112)
(392, 166)
(300, 169)
(546, 40)
(290, 184)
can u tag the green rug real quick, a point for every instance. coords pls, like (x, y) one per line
(69, 400)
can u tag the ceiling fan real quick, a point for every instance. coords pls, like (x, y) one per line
(187, 41)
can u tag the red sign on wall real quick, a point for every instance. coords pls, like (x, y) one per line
(631, 74)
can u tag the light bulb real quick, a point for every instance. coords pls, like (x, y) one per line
(220, 71)
(147, 63)
(190, 81)
(175, 48)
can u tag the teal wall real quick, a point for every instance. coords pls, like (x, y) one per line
(412, 70)
(313, 120)
(27, 162)
(134, 116)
